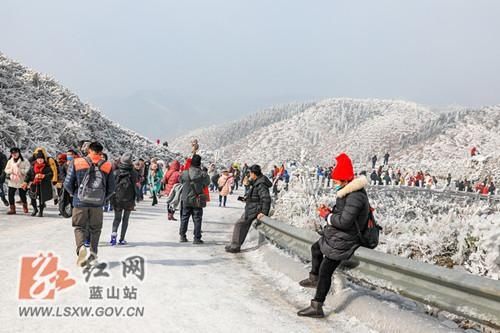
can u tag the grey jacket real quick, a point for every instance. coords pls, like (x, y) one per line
(190, 189)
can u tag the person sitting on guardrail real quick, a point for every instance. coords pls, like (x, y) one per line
(340, 237)
(257, 204)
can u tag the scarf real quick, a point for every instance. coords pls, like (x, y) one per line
(16, 176)
(38, 168)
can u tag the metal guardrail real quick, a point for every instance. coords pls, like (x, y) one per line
(444, 192)
(469, 296)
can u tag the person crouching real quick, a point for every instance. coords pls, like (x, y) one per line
(340, 235)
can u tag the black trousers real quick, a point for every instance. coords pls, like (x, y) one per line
(222, 200)
(121, 216)
(186, 213)
(323, 267)
(12, 195)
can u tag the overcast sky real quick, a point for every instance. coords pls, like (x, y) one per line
(162, 67)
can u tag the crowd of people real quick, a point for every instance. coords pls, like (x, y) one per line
(91, 183)
(387, 174)
(85, 183)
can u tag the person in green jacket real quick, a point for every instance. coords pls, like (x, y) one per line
(154, 179)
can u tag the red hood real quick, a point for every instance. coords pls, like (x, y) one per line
(175, 166)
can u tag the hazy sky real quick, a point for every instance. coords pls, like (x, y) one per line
(162, 66)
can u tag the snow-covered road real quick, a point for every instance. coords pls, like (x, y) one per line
(187, 288)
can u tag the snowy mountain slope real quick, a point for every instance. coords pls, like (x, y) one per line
(417, 136)
(217, 136)
(448, 151)
(36, 110)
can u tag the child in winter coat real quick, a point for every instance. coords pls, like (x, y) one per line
(225, 184)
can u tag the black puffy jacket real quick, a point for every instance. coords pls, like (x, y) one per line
(3, 164)
(341, 238)
(258, 199)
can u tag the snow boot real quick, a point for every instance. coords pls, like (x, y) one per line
(12, 210)
(35, 211)
(310, 282)
(232, 249)
(40, 212)
(82, 257)
(171, 216)
(25, 208)
(183, 239)
(113, 239)
(315, 310)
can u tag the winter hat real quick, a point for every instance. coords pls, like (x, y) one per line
(126, 159)
(196, 160)
(39, 154)
(62, 157)
(343, 170)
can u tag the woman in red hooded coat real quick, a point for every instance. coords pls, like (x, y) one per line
(171, 178)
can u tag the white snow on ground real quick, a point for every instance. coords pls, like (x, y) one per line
(459, 232)
(187, 288)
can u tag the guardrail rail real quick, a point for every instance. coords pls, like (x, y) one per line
(469, 296)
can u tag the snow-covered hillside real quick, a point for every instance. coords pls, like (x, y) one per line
(218, 136)
(420, 137)
(36, 110)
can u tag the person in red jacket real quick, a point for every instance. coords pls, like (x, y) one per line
(172, 177)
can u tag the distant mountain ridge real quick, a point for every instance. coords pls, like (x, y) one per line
(417, 136)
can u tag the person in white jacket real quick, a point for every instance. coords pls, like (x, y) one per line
(16, 169)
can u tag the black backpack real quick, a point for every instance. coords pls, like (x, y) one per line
(125, 189)
(370, 236)
(92, 189)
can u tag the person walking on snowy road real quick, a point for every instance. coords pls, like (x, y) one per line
(340, 237)
(374, 161)
(386, 158)
(224, 185)
(154, 180)
(171, 178)
(123, 200)
(16, 170)
(3, 164)
(39, 179)
(91, 183)
(193, 198)
(257, 204)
